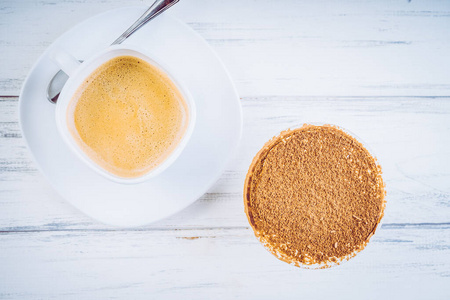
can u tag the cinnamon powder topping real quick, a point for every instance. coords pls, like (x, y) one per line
(314, 196)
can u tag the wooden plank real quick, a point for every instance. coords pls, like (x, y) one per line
(408, 262)
(409, 135)
(296, 48)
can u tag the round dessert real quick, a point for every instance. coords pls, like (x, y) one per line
(314, 196)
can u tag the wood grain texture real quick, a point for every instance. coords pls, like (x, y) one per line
(409, 136)
(380, 69)
(290, 48)
(196, 264)
(400, 262)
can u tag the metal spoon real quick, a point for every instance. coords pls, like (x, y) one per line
(57, 83)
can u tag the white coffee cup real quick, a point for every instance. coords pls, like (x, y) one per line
(78, 72)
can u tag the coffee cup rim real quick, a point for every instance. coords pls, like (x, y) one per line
(85, 70)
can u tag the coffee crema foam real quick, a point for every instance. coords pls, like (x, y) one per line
(128, 116)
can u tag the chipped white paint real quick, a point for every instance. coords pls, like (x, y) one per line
(380, 69)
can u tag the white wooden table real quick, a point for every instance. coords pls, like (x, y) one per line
(378, 68)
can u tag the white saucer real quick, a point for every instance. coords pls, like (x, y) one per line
(214, 140)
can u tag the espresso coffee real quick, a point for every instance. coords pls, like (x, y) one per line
(128, 116)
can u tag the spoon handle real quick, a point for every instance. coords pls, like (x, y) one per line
(158, 7)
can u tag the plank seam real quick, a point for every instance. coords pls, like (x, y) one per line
(443, 225)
